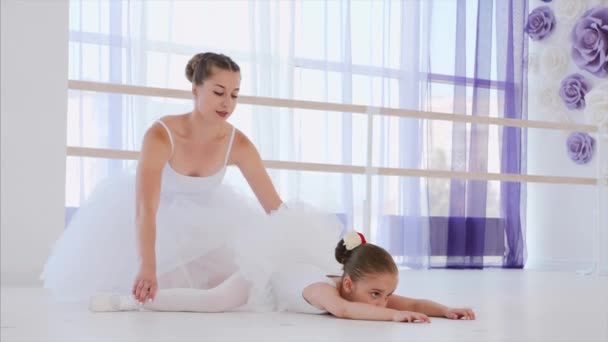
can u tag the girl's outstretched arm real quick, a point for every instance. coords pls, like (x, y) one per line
(429, 308)
(326, 297)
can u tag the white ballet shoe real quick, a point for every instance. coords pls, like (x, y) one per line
(109, 302)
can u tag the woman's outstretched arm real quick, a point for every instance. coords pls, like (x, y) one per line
(248, 160)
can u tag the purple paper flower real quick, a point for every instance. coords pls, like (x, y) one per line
(589, 39)
(580, 147)
(541, 22)
(573, 90)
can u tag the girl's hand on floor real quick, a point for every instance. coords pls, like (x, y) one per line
(465, 313)
(412, 317)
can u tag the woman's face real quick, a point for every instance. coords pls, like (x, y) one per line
(374, 289)
(216, 98)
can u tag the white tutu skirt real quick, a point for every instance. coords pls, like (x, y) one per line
(195, 237)
(200, 241)
(295, 234)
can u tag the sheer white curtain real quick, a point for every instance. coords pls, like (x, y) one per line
(401, 203)
(403, 54)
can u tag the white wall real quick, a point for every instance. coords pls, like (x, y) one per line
(560, 218)
(34, 49)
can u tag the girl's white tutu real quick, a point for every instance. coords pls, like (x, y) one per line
(205, 232)
(295, 234)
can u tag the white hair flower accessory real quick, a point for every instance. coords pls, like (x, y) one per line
(352, 240)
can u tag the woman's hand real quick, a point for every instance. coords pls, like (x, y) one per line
(145, 285)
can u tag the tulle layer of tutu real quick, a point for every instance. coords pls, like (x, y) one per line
(200, 240)
(195, 237)
(297, 233)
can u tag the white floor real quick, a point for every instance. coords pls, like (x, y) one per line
(511, 305)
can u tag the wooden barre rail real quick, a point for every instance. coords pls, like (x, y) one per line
(334, 107)
(352, 169)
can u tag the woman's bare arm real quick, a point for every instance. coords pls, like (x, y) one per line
(156, 150)
(248, 160)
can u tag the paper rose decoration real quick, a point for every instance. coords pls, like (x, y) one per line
(589, 39)
(580, 147)
(541, 23)
(568, 10)
(548, 99)
(534, 63)
(554, 61)
(597, 104)
(573, 90)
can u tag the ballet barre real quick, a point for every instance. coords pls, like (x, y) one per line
(600, 131)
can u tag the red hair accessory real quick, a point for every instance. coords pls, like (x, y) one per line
(362, 238)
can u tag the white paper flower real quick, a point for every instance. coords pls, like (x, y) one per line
(597, 103)
(567, 11)
(351, 240)
(554, 62)
(547, 105)
(547, 99)
(534, 62)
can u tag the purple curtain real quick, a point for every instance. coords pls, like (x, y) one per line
(471, 236)
(513, 141)
(482, 223)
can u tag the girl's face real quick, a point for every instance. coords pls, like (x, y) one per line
(374, 289)
(216, 98)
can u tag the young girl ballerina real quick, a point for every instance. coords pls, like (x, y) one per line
(173, 224)
(364, 291)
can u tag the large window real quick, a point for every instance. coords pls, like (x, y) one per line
(375, 53)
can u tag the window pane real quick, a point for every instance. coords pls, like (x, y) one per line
(443, 37)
